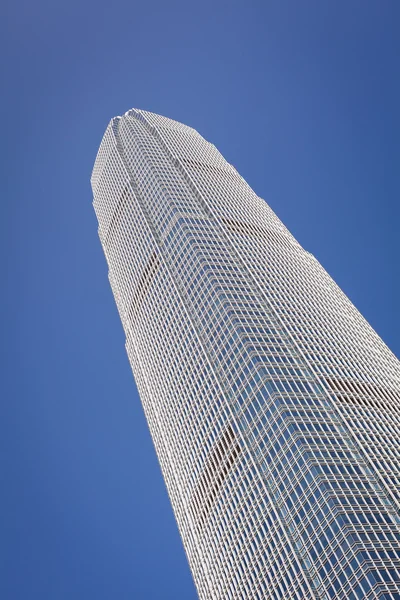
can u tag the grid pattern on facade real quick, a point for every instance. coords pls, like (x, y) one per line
(272, 404)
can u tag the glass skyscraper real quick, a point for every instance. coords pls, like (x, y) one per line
(273, 405)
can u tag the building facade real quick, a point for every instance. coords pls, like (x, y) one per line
(273, 406)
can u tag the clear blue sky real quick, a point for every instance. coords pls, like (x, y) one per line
(303, 98)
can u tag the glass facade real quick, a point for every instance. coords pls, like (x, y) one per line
(273, 405)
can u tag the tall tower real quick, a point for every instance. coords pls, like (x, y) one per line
(273, 405)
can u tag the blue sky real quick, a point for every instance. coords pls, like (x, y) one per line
(303, 98)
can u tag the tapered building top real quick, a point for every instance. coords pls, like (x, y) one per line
(272, 404)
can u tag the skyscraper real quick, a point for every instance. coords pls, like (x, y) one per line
(273, 405)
